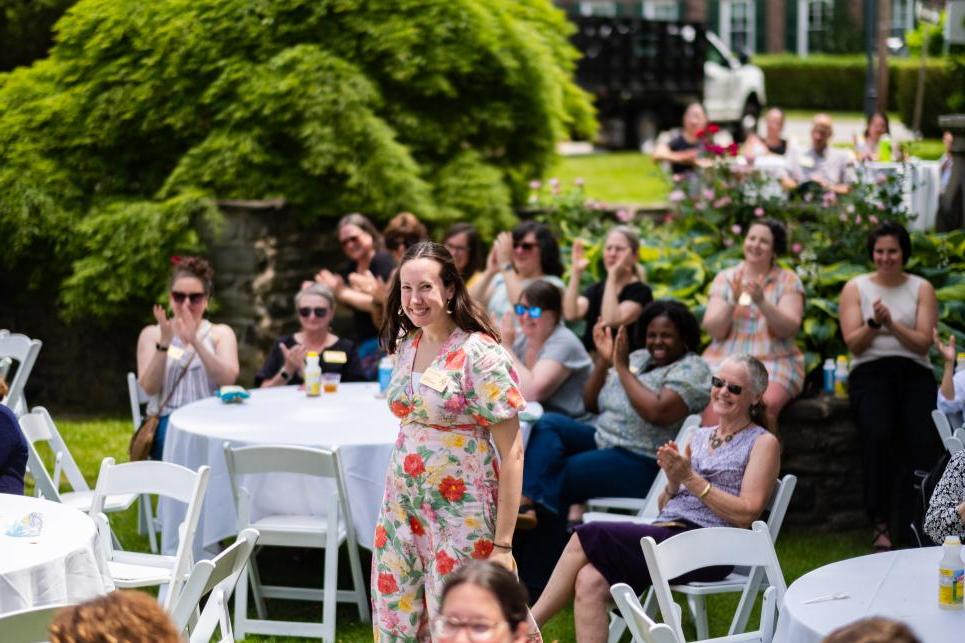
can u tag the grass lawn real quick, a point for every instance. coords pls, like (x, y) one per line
(614, 177)
(90, 440)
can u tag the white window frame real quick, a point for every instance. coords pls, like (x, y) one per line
(804, 23)
(607, 8)
(727, 12)
(907, 8)
(661, 10)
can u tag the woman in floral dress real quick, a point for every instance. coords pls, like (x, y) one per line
(448, 498)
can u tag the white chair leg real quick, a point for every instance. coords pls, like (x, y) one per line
(746, 605)
(146, 523)
(698, 609)
(616, 629)
(330, 594)
(358, 584)
(241, 601)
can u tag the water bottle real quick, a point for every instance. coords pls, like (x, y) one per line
(884, 149)
(313, 375)
(951, 573)
(385, 373)
(841, 378)
(829, 376)
(960, 363)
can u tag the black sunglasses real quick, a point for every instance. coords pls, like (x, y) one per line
(193, 297)
(318, 310)
(525, 245)
(716, 382)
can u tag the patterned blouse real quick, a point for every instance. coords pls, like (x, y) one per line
(618, 424)
(942, 517)
(480, 385)
(749, 332)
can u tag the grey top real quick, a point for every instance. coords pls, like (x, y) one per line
(565, 347)
(832, 165)
(723, 467)
(618, 424)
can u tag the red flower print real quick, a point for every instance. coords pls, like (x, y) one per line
(413, 465)
(416, 526)
(452, 489)
(480, 420)
(381, 536)
(455, 360)
(455, 404)
(444, 562)
(515, 398)
(387, 584)
(400, 409)
(482, 549)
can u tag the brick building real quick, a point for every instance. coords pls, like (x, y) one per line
(758, 26)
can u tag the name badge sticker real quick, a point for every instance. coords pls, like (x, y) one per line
(434, 380)
(334, 357)
(175, 353)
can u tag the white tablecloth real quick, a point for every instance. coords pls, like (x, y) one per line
(353, 419)
(64, 564)
(902, 585)
(920, 189)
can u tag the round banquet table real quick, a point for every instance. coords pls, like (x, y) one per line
(902, 585)
(352, 419)
(64, 564)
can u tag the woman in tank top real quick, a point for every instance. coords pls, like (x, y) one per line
(887, 320)
(722, 478)
(186, 340)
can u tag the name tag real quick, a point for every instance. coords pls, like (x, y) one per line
(175, 353)
(807, 162)
(334, 357)
(434, 380)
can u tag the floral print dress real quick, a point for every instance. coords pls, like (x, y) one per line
(439, 508)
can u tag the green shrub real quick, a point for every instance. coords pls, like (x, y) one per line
(944, 83)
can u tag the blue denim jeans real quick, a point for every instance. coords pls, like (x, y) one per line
(157, 449)
(563, 466)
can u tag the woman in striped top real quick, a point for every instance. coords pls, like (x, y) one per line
(186, 340)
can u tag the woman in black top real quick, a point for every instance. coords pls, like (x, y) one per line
(620, 298)
(13, 449)
(362, 244)
(315, 306)
(683, 150)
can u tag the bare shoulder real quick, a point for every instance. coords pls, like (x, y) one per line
(150, 334)
(222, 331)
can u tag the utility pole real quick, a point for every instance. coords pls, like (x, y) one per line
(884, 31)
(870, 91)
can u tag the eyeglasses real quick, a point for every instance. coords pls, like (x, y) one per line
(347, 240)
(535, 312)
(307, 312)
(479, 631)
(454, 249)
(193, 297)
(526, 246)
(394, 243)
(716, 382)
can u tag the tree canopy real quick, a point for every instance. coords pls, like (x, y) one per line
(114, 145)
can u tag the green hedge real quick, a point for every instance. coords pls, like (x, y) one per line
(836, 83)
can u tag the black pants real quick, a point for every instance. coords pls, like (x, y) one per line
(891, 401)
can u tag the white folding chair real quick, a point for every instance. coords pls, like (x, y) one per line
(642, 627)
(954, 444)
(29, 625)
(746, 581)
(643, 508)
(145, 513)
(14, 346)
(711, 546)
(217, 578)
(942, 424)
(327, 532)
(134, 569)
(37, 427)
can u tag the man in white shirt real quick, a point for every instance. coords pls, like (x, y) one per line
(830, 168)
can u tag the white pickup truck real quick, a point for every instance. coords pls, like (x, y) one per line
(643, 73)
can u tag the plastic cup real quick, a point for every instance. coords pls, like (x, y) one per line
(330, 382)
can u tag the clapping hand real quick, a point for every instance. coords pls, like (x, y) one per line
(882, 313)
(164, 323)
(503, 246)
(737, 284)
(621, 349)
(363, 282)
(330, 280)
(603, 340)
(578, 261)
(946, 350)
(622, 270)
(507, 330)
(294, 357)
(186, 327)
(755, 289)
(674, 464)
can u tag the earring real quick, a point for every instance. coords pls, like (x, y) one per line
(400, 311)
(449, 306)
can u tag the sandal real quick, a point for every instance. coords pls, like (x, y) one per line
(881, 531)
(526, 518)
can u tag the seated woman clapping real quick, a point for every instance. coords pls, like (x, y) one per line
(285, 364)
(551, 362)
(722, 478)
(641, 399)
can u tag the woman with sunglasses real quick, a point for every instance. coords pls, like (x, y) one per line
(620, 298)
(640, 398)
(362, 244)
(517, 259)
(551, 362)
(463, 242)
(285, 364)
(722, 478)
(756, 308)
(186, 352)
(482, 603)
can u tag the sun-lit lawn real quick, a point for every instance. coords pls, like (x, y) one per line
(90, 440)
(625, 178)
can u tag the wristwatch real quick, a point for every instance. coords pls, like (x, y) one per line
(159, 346)
(507, 266)
(285, 375)
(873, 323)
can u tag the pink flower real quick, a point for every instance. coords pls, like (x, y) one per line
(722, 201)
(850, 208)
(667, 218)
(857, 220)
(829, 198)
(578, 182)
(554, 183)
(535, 185)
(881, 207)
(872, 219)
(709, 194)
(455, 404)
(728, 242)
(677, 178)
(676, 196)
(736, 229)
(700, 205)
(758, 212)
(624, 216)
(797, 248)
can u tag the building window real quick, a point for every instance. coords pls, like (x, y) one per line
(661, 10)
(902, 16)
(737, 24)
(598, 8)
(819, 23)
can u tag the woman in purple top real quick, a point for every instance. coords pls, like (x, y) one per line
(723, 478)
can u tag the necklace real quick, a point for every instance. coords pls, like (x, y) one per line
(716, 441)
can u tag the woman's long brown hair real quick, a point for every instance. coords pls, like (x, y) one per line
(466, 313)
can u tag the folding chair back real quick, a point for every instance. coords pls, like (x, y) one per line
(24, 351)
(37, 427)
(954, 444)
(30, 625)
(642, 628)
(708, 547)
(137, 398)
